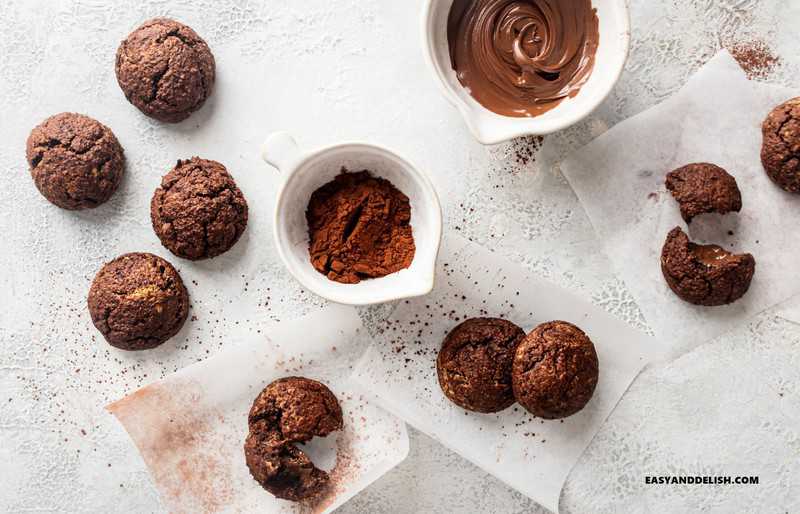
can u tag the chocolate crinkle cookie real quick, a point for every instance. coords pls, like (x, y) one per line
(474, 364)
(704, 274)
(138, 301)
(198, 212)
(555, 370)
(704, 188)
(780, 151)
(76, 162)
(289, 411)
(165, 69)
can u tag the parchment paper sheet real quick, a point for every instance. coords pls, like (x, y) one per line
(534, 456)
(619, 179)
(190, 427)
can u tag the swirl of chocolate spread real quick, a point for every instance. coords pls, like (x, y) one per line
(521, 58)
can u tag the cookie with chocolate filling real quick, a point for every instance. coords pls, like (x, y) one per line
(138, 301)
(474, 364)
(704, 274)
(780, 150)
(704, 188)
(165, 69)
(289, 411)
(555, 370)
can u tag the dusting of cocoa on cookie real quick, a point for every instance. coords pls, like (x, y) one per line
(359, 227)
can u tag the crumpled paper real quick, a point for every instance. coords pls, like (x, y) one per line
(531, 455)
(190, 427)
(619, 178)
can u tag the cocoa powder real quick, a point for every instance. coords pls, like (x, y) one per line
(755, 57)
(359, 227)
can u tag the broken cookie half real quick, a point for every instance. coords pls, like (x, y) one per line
(701, 188)
(290, 411)
(704, 274)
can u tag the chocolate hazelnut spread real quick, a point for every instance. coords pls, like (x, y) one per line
(521, 58)
(704, 275)
(709, 255)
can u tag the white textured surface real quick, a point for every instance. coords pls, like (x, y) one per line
(326, 71)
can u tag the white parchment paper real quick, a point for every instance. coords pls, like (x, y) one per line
(534, 456)
(619, 179)
(190, 427)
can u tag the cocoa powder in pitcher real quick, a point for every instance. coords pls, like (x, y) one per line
(359, 228)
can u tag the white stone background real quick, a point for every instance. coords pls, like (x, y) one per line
(352, 69)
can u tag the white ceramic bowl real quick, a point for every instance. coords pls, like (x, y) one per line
(491, 128)
(304, 172)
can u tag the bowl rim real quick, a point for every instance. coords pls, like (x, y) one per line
(356, 298)
(519, 128)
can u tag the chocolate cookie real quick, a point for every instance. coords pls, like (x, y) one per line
(165, 69)
(288, 411)
(703, 188)
(198, 212)
(780, 151)
(76, 162)
(138, 301)
(555, 370)
(704, 274)
(474, 364)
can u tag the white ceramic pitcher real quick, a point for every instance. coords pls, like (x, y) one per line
(305, 171)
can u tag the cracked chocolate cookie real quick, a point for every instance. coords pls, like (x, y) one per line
(704, 188)
(165, 69)
(474, 364)
(704, 274)
(555, 370)
(138, 301)
(198, 212)
(780, 150)
(289, 411)
(76, 162)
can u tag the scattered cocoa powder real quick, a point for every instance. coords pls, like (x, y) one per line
(755, 57)
(359, 227)
(525, 148)
(180, 445)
